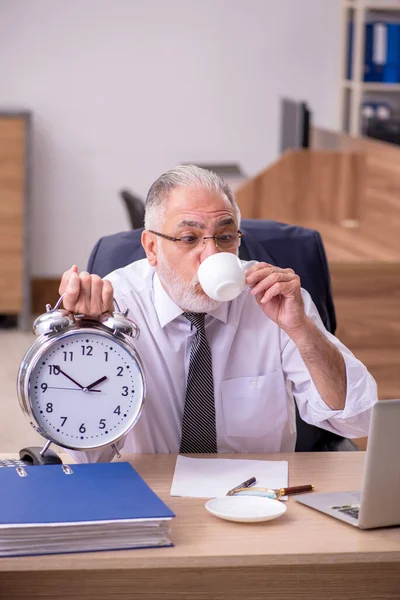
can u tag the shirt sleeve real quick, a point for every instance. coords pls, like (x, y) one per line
(361, 392)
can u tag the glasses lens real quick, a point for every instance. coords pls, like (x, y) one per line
(189, 241)
(226, 241)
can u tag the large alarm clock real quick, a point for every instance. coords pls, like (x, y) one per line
(81, 383)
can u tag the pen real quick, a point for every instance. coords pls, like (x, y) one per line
(243, 485)
(271, 493)
(296, 489)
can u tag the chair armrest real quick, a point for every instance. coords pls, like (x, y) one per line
(335, 443)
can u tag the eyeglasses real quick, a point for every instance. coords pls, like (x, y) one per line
(223, 241)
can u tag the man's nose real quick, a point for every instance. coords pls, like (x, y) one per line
(208, 248)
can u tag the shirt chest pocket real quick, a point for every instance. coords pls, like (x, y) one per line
(253, 406)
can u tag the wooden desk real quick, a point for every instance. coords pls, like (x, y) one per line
(302, 555)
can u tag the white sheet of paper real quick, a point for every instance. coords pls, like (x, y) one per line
(213, 477)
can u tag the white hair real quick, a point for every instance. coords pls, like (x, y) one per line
(188, 176)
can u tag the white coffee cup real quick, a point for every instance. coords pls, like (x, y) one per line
(222, 276)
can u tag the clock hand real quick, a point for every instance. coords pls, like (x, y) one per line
(70, 378)
(50, 387)
(92, 385)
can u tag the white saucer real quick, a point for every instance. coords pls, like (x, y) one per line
(245, 509)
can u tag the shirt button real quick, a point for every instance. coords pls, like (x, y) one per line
(254, 384)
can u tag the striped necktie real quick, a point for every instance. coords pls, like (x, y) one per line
(198, 423)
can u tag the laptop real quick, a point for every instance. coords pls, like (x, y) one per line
(378, 502)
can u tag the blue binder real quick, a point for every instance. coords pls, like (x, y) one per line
(391, 70)
(373, 71)
(92, 498)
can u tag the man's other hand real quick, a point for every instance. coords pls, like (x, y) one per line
(278, 293)
(86, 294)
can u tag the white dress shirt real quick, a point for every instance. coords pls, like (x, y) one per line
(257, 369)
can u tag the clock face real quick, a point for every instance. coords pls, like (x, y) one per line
(86, 390)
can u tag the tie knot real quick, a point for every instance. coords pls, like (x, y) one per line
(196, 319)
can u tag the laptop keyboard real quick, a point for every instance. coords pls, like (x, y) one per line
(352, 510)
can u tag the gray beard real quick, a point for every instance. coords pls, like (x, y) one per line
(183, 293)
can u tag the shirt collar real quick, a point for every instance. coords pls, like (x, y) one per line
(167, 310)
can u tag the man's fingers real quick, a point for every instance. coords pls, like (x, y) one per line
(279, 289)
(86, 293)
(108, 296)
(261, 271)
(96, 302)
(272, 280)
(65, 278)
(71, 291)
(255, 272)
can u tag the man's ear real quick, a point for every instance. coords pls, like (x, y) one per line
(149, 244)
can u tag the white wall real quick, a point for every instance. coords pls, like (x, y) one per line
(121, 90)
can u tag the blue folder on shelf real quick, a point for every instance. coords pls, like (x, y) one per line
(375, 50)
(391, 69)
(76, 508)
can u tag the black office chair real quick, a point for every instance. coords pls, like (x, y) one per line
(135, 207)
(276, 243)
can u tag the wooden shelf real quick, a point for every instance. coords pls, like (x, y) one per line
(373, 5)
(372, 86)
(352, 92)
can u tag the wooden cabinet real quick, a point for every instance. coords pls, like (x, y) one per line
(14, 189)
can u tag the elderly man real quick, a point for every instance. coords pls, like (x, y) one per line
(221, 377)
